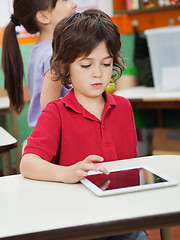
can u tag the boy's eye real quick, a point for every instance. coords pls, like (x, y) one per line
(107, 64)
(85, 66)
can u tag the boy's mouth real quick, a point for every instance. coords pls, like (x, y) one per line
(96, 85)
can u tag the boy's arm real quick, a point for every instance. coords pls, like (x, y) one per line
(34, 167)
(51, 89)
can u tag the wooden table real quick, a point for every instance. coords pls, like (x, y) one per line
(142, 97)
(4, 111)
(7, 142)
(45, 210)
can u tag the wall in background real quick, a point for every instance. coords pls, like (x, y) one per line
(5, 11)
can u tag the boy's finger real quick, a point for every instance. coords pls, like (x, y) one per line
(93, 158)
(81, 174)
(95, 167)
(103, 169)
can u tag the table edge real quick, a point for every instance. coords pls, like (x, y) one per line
(8, 147)
(104, 229)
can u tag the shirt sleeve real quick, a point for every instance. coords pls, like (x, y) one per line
(46, 59)
(45, 138)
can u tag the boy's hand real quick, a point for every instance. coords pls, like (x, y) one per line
(79, 170)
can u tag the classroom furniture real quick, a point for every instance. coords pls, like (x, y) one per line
(7, 142)
(48, 210)
(4, 112)
(142, 97)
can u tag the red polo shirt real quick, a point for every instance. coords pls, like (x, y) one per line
(66, 133)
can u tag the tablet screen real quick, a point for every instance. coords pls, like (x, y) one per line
(125, 178)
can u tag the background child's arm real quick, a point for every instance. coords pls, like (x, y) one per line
(34, 167)
(51, 89)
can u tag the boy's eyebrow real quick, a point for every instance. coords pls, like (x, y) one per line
(87, 58)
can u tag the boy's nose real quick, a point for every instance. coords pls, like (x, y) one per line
(97, 72)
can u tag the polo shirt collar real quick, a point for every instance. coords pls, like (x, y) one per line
(70, 101)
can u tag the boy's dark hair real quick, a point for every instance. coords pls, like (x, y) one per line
(12, 64)
(77, 35)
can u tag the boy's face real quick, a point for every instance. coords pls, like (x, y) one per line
(91, 75)
(62, 10)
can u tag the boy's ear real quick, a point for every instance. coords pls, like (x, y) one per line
(43, 17)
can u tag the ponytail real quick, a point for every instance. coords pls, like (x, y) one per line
(12, 66)
(24, 13)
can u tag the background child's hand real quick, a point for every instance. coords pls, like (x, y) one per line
(77, 171)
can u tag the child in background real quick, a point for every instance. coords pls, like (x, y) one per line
(87, 126)
(35, 16)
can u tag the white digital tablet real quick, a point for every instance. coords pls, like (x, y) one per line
(126, 180)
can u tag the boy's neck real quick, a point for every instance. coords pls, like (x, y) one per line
(93, 105)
